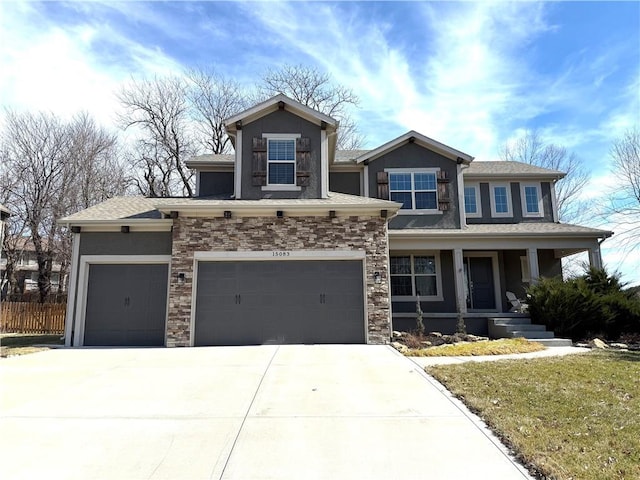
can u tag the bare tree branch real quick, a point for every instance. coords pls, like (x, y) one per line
(531, 149)
(315, 89)
(160, 109)
(213, 98)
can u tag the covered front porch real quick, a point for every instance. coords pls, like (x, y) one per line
(467, 273)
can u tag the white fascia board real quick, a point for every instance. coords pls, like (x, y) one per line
(492, 244)
(289, 210)
(420, 139)
(135, 225)
(462, 234)
(271, 105)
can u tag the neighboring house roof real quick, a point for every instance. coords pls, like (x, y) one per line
(530, 229)
(142, 210)
(4, 212)
(210, 159)
(508, 169)
(413, 136)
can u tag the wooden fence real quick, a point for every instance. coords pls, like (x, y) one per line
(22, 317)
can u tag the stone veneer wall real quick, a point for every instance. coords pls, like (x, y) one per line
(367, 234)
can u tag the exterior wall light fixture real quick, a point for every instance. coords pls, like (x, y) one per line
(377, 278)
(181, 278)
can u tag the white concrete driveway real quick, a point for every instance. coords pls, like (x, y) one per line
(269, 412)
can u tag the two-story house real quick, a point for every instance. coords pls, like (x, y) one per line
(290, 241)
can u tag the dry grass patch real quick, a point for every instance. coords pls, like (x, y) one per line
(572, 417)
(486, 347)
(22, 344)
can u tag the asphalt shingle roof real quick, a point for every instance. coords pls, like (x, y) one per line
(529, 228)
(137, 207)
(510, 169)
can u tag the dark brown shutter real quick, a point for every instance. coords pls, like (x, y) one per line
(383, 185)
(259, 161)
(444, 199)
(303, 161)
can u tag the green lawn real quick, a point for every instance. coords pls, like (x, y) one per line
(571, 417)
(22, 344)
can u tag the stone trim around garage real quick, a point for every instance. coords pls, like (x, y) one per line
(197, 234)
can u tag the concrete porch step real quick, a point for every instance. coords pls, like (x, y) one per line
(511, 321)
(528, 334)
(525, 327)
(553, 342)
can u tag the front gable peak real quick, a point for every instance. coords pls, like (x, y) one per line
(414, 137)
(280, 102)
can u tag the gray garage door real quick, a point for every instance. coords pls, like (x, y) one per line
(252, 303)
(126, 305)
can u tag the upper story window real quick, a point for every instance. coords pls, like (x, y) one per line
(416, 190)
(472, 201)
(501, 200)
(281, 161)
(413, 275)
(531, 199)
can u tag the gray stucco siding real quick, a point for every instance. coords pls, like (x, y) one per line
(516, 205)
(412, 156)
(216, 183)
(280, 121)
(444, 325)
(133, 243)
(345, 182)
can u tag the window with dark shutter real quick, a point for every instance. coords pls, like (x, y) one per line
(383, 185)
(259, 161)
(303, 161)
(444, 199)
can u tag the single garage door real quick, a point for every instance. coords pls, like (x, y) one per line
(126, 305)
(257, 302)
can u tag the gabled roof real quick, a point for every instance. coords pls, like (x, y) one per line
(413, 136)
(504, 169)
(275, 103)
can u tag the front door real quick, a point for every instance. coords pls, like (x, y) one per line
(481, 294)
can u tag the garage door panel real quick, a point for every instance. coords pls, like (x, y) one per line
(281, 302)
(126, 305)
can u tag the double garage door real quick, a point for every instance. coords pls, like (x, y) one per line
(237, 303)
(257, 302)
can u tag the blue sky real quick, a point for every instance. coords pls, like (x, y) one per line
(471, 75)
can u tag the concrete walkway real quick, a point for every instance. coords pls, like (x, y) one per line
(269, 412)
(549, 352)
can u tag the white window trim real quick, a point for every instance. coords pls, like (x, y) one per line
(492, 198)
(279, 186)
(523, 199)
(476, 187)
(416, 211)
(431, 298)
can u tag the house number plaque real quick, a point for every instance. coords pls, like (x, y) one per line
(281, 254)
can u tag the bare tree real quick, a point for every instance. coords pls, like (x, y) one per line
(315, 89)
(36, 147)
(623, 207)
(213, 99)
(51, 168)
(530, 148)
(160, 109)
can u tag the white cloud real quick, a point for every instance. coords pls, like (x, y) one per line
(45, 67)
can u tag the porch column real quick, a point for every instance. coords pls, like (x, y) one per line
(458, 266)
(534, 270)
(595, 257)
